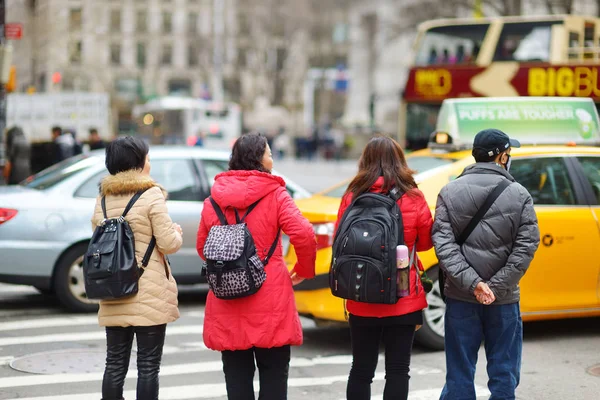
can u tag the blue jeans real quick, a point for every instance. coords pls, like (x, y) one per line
(501, 329)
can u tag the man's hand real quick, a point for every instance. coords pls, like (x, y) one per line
(484, 294)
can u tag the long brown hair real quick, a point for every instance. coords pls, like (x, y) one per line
(382, 156)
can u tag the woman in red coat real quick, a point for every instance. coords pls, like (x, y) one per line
(264, 325)
(383, 166)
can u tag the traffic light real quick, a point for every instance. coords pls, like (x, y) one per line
(56, 77)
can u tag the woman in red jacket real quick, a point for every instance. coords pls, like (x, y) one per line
(383, 166)
(261, 326)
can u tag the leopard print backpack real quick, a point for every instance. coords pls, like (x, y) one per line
(233, 267)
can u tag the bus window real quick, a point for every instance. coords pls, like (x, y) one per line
(454, 44)
(525, 41)
(574, 46)
(588, 41)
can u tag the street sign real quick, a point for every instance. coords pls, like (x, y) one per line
(13, 31)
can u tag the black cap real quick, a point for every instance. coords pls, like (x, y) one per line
(494, 141)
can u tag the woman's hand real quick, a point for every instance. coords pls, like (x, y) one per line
(178, 228)
(295, 278)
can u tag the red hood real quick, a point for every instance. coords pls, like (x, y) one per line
(239, 189)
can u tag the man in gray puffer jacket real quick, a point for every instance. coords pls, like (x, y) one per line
(482, 275)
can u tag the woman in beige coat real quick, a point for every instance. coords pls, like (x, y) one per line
(146, 313)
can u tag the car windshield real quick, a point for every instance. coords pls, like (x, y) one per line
(58, 172)
(417, 163)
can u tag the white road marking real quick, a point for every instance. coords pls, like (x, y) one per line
(434, 394)
(206, 391)
(183, 369)
(49, 323)
(7, 288)
(83, 336)
(66, 321)
(6, 360)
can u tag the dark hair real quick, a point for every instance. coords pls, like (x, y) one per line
(481, 155)
(382, 156)
(125, 154)
(12, 134)
(57, 129)
(93, 131)
(248, 152)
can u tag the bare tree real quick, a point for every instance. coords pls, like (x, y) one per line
(559, 6)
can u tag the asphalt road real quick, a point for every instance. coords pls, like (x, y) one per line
(67, 353)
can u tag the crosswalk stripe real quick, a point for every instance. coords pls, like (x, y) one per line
(48, 323)
(6, 360)
(211, 390)
(182, 369)
(6, 288)
(67, 321)
(83, 336)
(434, 394)
(207, 390)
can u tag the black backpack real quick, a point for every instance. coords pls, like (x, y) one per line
(363, 267)
(110, 267)
(233, 267)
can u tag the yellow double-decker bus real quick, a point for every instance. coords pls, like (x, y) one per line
(497, 57)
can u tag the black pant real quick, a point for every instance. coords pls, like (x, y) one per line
(273, 367)
(150, 341)
(398, 340)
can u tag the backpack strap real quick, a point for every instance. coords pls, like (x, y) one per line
(148, 253)
(218, 211)
(395, 194)
(103, 203)
(248, 211)
(132, 202)
(272, 249)
(482, 211)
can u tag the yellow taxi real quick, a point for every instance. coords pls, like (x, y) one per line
(564, 181)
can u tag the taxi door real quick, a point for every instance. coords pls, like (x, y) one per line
(563, 276)
(589, 173)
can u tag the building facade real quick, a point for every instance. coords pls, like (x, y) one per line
(227, 50)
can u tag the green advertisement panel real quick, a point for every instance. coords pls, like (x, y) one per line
(530, 120)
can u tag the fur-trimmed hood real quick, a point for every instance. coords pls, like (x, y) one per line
(127, 183)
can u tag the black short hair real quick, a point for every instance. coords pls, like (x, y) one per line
(57, 129)
(93, 131)
(481, 155)
(248, 152)
(125, 154)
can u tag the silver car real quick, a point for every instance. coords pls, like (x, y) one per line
(45, 222)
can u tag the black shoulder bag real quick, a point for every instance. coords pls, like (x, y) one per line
(473, 223)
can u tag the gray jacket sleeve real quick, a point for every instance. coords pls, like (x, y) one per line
(451, 259)
(523, 250)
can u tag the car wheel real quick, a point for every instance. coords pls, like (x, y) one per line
(431, 335)
(69, 285)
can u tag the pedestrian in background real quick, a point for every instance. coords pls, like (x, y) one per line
(381, 168)
(483, 266)
(264, 325)
(146, 313)
(95, 141)
(63, 144)
(18, 156)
